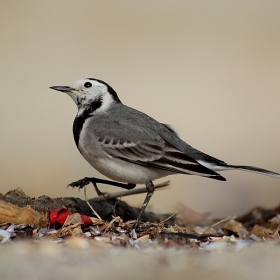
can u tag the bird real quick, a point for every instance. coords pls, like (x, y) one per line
(130, 147)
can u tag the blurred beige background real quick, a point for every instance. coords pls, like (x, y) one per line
(209, 68)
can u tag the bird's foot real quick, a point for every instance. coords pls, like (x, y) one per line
(83, 182)
(80, 183)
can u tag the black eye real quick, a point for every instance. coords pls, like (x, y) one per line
(87, 84)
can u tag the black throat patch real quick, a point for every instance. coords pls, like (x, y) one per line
(80, 120)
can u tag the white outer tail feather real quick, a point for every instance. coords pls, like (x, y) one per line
(255, 170)
(215, 167)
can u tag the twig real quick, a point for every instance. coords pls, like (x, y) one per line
(222, 221)
(116, 219)
(129, 192)
(175, 213)
(95, 213)
(219, 222)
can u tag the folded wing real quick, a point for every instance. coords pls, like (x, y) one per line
(147, 148)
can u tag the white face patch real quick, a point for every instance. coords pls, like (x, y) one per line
(82, 85)
(86, 92)
(107, 101)
(91, 89)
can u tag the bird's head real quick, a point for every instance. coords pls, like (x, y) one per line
(90, 92)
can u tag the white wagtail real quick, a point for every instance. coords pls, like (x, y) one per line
(129, 146)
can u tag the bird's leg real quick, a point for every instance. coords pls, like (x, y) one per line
(150, 189)
(98, 191)
(83, 182)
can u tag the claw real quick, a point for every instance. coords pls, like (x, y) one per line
(80, 183)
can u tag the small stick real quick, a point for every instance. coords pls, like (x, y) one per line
(219, 222)
(95, 213)
(222, 221)
(175, 213)
(116, 219)
(129, 192)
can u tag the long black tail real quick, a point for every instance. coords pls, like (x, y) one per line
(255, 170)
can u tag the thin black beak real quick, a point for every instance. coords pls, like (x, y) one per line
(61, 88)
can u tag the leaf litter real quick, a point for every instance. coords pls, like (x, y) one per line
(186, 228)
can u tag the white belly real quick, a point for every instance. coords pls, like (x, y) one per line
(122, 171)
